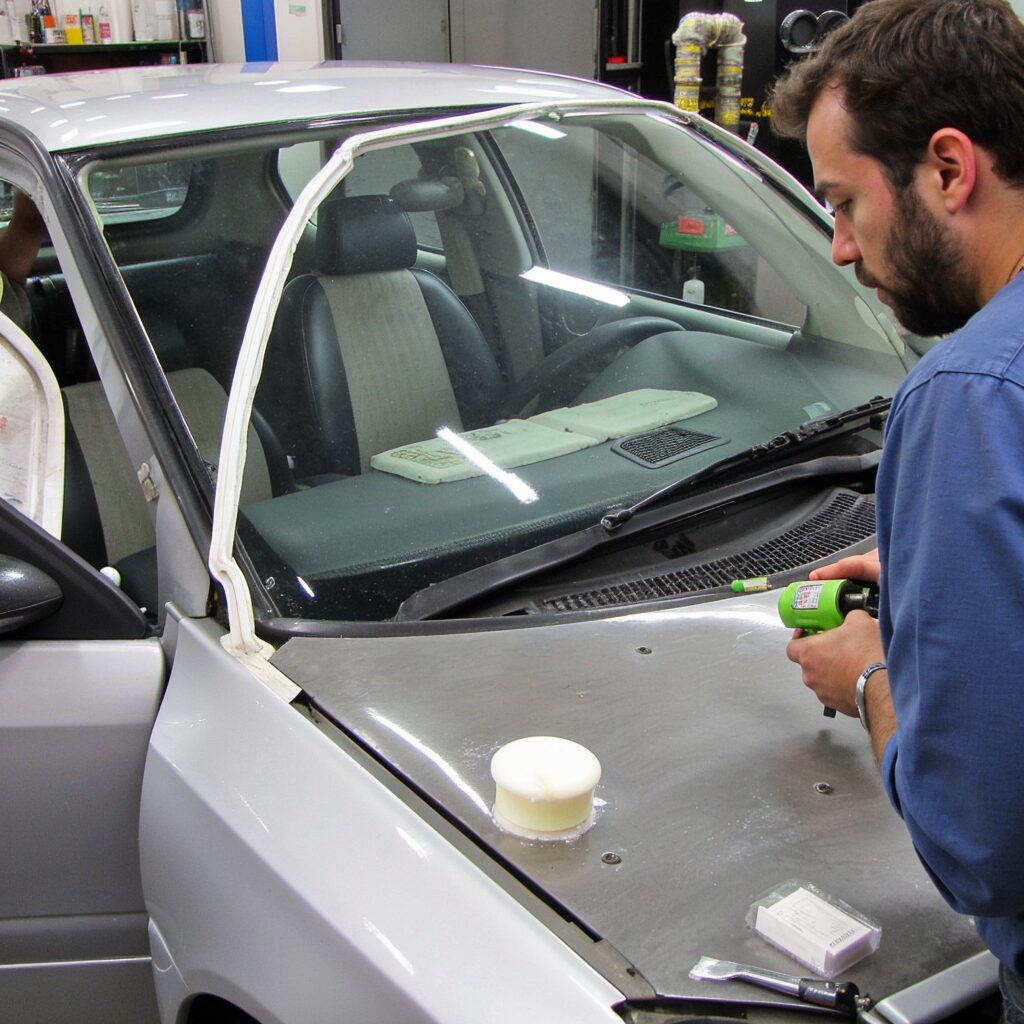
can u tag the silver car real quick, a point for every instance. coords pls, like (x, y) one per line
(366, 420)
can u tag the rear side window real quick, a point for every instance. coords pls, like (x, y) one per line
(143, 192)
(374, 173)
(6, 202)
(607, 211)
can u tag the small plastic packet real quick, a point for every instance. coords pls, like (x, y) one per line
(814, 928)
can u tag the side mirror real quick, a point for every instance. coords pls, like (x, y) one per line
(27, 594)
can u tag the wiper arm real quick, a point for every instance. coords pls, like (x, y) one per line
(813, 430)
(450, 594)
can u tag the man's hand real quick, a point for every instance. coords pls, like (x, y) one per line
(864, 567)
(832, 661)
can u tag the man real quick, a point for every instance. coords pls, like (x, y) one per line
(911, 117)
(19, 245)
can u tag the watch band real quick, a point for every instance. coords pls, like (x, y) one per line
(858, 693)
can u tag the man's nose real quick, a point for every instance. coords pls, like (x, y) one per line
(844, 248)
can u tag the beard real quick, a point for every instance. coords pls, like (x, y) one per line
(930, 287)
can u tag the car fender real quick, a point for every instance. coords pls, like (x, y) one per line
(284, 876)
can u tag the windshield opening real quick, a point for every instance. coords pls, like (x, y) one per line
(487, 339)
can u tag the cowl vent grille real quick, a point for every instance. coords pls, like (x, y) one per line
(846, 519)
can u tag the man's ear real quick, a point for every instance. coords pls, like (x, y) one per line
(950, 166)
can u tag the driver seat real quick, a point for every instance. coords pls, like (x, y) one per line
(369, 352)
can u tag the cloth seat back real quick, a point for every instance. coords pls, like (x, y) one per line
(112, 479)
(369, 352)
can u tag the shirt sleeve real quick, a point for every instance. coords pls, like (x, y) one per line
(951, 505)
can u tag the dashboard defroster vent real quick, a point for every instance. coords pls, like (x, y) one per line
(660, 447)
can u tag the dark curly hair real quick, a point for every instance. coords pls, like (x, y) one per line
(906, 68)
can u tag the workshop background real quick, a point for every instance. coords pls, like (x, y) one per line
(624, 42)
(628, 43)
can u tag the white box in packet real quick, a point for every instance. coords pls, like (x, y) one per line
(815, 929)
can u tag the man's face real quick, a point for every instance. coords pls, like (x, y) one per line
(896, 244)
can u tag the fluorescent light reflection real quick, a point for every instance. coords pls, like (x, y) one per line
(576, 285)
(545, 131)
(311, 87)
(517, 486)
(417, 847)
(400, 958)
(145, 126)
(525, 90)
(745, 613)
(433, 756)
(305, 586)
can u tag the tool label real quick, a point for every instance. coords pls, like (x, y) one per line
(807, 597)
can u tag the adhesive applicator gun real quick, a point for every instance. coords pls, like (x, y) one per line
(819, 605)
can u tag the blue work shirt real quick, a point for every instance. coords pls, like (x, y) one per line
(950, 500)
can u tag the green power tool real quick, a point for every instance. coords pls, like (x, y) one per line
(817, 605)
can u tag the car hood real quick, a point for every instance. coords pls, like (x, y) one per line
(714, 758)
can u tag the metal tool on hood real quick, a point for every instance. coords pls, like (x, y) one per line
(843, 996)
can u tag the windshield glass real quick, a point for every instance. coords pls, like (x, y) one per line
(487, 339)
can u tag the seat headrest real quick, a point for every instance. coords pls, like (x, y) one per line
(418, 195)
(363, 234)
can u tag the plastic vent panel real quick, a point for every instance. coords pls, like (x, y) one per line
(846, 519)
(661, 447)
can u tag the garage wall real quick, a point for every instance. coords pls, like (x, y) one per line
(540, 34)
(537, 34)
(226, 17)
(299, 30)
(549, 35)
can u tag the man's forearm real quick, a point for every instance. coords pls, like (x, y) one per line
(880, 711)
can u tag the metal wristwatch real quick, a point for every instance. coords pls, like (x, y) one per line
(858, 693)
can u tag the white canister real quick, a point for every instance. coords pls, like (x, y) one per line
(113, 20)
(166, 19)
(195, 22)
(144, 19)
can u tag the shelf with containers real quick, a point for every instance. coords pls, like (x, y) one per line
(54, 54)
(55, 57)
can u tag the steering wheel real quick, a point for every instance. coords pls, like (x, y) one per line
(551, 378)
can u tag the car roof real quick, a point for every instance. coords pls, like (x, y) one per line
(90, 108)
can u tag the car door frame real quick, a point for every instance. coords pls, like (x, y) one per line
(78, 702)
(79, 691)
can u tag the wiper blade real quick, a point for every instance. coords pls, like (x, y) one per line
(450, 594)
(466, 587)
(811, 431)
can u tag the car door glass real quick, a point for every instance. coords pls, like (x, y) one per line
(375, 173)
(604, 210)
(140, 192)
